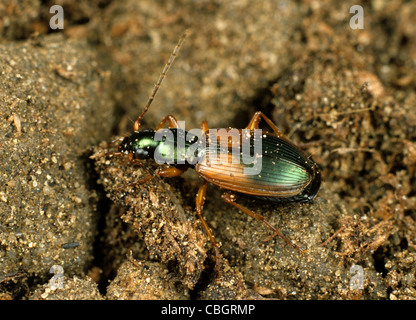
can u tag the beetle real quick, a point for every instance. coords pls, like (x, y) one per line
(287, 175)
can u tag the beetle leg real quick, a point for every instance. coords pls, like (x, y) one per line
(200, 200)
(135, 183)
(169, 172)
(164, 172)
(230, 198)
(204, 127)
(171, 120)
(255, 120)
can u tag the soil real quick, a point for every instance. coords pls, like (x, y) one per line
(346, 96)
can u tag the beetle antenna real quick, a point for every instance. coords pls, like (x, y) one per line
(159, 81)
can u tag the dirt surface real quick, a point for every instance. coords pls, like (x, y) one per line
(347, 95)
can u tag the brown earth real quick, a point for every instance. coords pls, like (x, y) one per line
(347, 95)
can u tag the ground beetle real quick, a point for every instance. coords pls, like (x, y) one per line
(287, 174)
